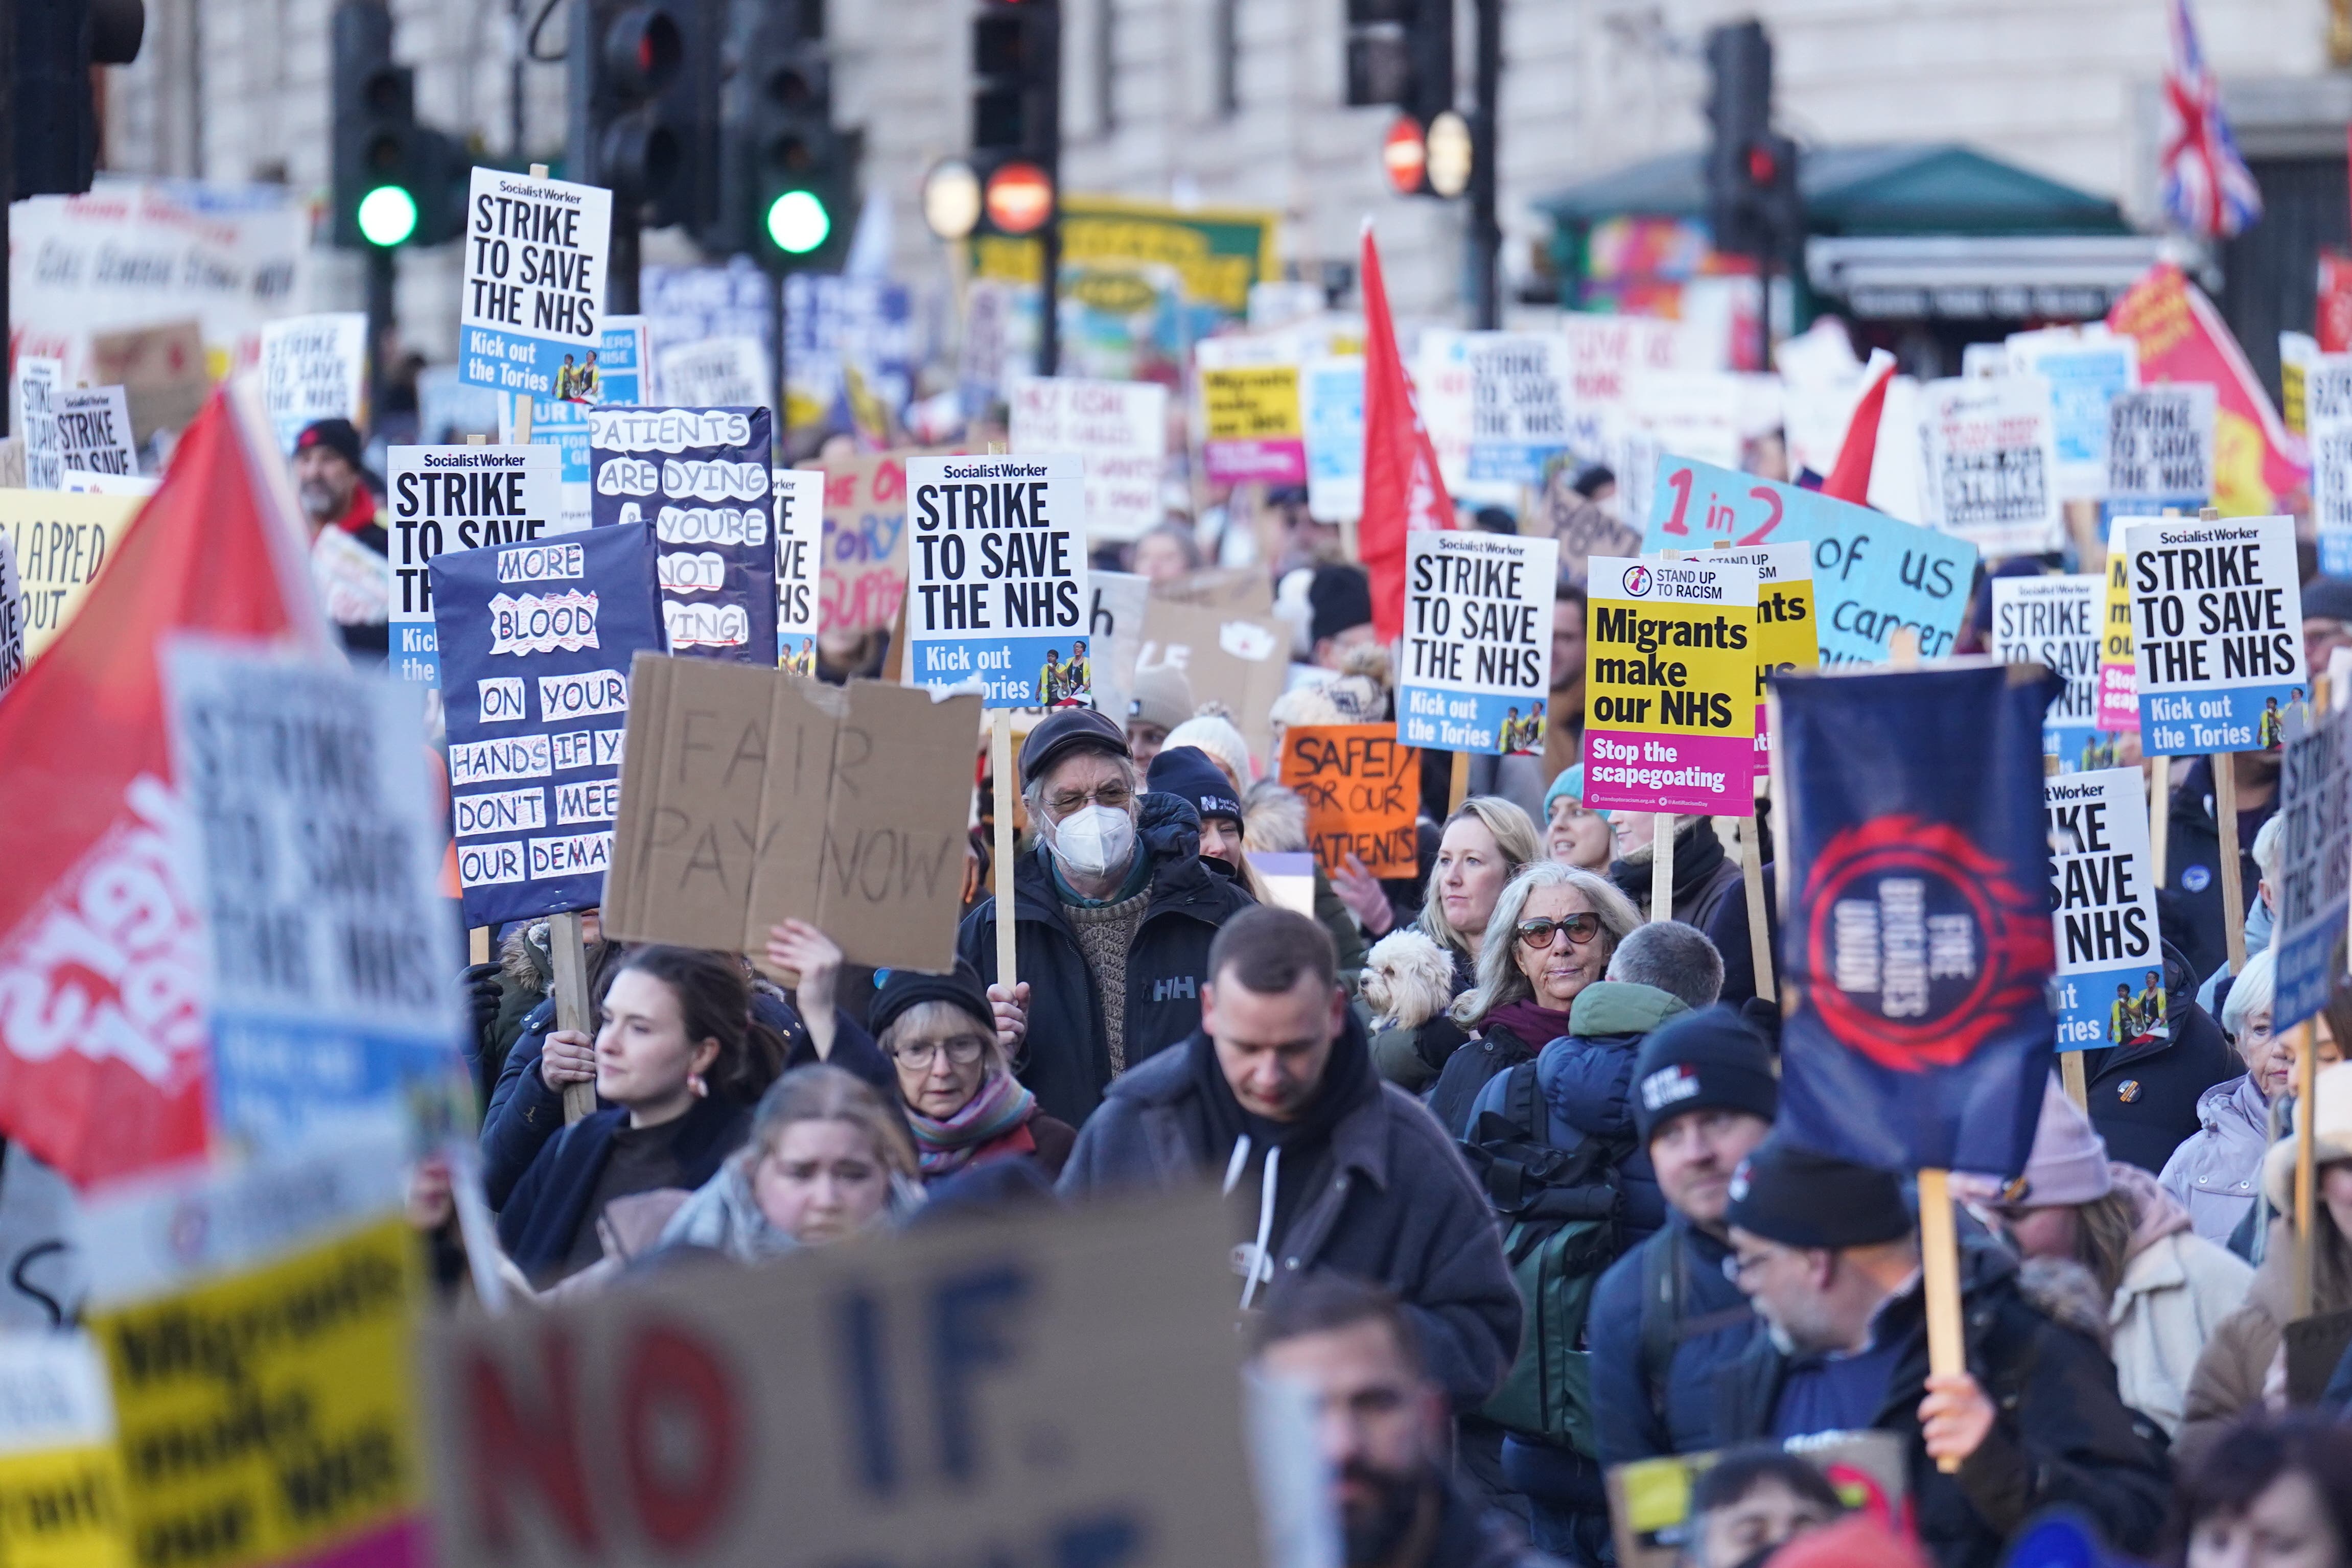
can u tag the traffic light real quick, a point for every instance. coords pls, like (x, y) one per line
(57, 131)
(790, 174)
(1401, 52)
(1016, 114)
(1753, 203)
(396, 182)
(643, 85)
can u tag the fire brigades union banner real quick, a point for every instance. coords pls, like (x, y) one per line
(1918, 1032)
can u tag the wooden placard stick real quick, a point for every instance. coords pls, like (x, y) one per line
(2306, 1173)
(1000, 762)
(1458, 788)
(1759, 928)
(2160, 815)
(1940, 1267)
(569, 956)
(2234, 892)
(1662, 865)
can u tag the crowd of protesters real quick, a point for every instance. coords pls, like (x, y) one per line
(1497, 1141)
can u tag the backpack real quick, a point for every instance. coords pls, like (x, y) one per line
(1559, 1212)
(1666, 1277)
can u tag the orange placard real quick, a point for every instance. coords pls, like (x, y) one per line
(1362, 792)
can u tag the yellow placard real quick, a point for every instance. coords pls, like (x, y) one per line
(63, 1508)
(1254, 403)
(1669, 684)
(62, 541)
(2117, 705)
(268, 1415)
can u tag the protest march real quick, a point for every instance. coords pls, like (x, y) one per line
(1153, 914)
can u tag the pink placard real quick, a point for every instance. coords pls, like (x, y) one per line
(1638, 771)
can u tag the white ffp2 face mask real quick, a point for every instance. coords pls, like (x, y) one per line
(1093, 840)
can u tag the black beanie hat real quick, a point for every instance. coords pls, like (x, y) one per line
(902, 988)
(1801, 1198)
(1186, 770)
(1712, 1060)
(1341, 597)
(340, 436)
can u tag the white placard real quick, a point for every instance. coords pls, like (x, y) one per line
(2110, 973)
(1119, 428)
(2217, 628)
(799, 541)
(1477, 669)
(39, 384)
(2053, 621)
(2160, 449)
(996, 564)
(717, 372)
(94, 433)
(313, 368)
(12, 614)
(450, 498)
(531, 302)
(1990, 465)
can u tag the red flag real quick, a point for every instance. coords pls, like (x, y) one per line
(1403, 492)
(1849, 480)
(103, 1063)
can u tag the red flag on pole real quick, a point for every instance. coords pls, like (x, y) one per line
(1849, 479)
(104, 1061)
(1403, 492)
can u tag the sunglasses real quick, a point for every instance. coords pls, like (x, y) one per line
(1581, 929)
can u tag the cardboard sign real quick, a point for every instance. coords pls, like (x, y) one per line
(39, 385)
(532, 299)
(1518, 404)
(750, 796)
(457, 498)
(998, 578)
(2084, 371)
(2217, 619)
(535, 642)
(2160, 450)
(1242, 658)
(2102, 908)
(865, 564)
(1477, 642)
(1991, 462)
(2118, 702)
(612, 372)
(1669, 686)
(1119, 428)
(162, 369)
(716, 372)
(60, 542)
(94, 431)
(1115, 632)
(313, 368)
(700, 476)
(1362, 790)
(1785, 618)
(308, 1360)
(2327, 422)
(2054, 621)
(1331, 407)
(1251, 426)
(1872, 575)
(1583, 528)
(926, 1398)
(61, 1492)
(329, 966)
(799, 496)
(2315, 861)
(12, 615)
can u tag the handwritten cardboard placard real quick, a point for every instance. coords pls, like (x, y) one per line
(1362, 790)
(750, 796)
(864, 557)
(62, 541)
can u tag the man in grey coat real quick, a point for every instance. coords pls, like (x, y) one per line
(1275, 1095)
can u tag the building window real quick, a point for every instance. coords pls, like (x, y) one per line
(1106, 65)
(1228, 45)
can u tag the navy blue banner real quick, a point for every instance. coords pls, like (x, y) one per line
(536, 640)
(701, 478)
(1918, 954)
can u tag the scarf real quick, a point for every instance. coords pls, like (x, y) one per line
(1000, 1105)
(1536, 1025)
(722, 1215)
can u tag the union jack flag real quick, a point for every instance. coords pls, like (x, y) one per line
(2208, 189)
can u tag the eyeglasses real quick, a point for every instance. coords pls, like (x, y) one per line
(1581, 929)
(963, 1050)
(1114, 795)
(1737, 1268)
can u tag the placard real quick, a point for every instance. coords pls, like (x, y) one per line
(2118, 703)
(2315, 861)
(1331, 408)
(997, 580)
(1250, 425)
(700, 475)
(799, 497)
(971, 1394)
(456, 498)
(1583, 528)
(313, 368)
(2327, 422)
(1115, 632)
(1873, 575)
(535, 642)
(60, 542)
(1244, 658)
(94, 431)
(2217, 623)
(865, 555)
(314, 850)
(61, 1490)
(2054, 621)
(12, 615)
(1362, 790)
(39, 383)
(532, 299)
(1669, 686)
(1991, 462)
(1476, 656)
(1119, 428)
(751, 797)
(1607, 352)
(1518, 404)
(613, 372)
(714, 372)
(2110, 989)
(2160, 450)
(2085, 369)
(1785, 621)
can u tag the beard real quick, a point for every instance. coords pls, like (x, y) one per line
(318, 501)
(1369, 1531)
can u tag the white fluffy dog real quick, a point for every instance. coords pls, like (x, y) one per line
(1408, 980)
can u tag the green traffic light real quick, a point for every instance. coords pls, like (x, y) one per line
(387, 215)
(798, 223)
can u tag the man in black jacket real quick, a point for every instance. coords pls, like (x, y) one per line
(1113, 914)
(1275, 1095)
(1830, 1256)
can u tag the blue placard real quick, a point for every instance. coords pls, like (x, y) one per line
(536, 640)
(1873, 574)
(2315, 829)
(617, 378)
(700, 476)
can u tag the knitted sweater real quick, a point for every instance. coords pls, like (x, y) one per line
(1105, 932)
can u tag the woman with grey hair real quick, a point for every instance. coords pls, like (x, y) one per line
(963, 1102)
(2216, 1174)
